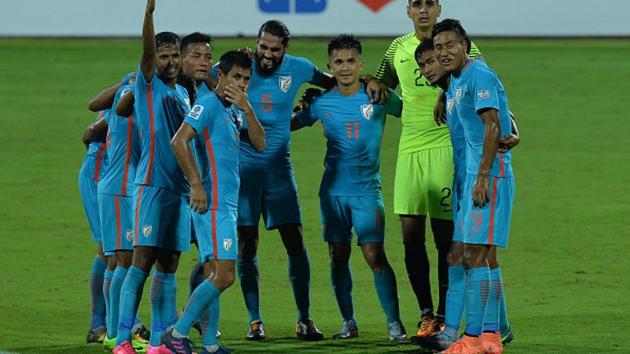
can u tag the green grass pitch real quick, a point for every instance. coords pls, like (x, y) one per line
(566, 271)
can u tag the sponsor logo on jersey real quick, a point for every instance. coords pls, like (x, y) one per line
(285, 83)
(367, 110)
(146, 230)
(195, 112)
(227, 244)
(129, 235)
(483, 94)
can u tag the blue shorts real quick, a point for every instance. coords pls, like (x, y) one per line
(116, 222)
(162, 218)
(458, 191)
(216, 234)
(88, 189)
(339, 215)
(269, 190)
(488, 225)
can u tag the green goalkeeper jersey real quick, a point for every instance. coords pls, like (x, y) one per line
(419, 130)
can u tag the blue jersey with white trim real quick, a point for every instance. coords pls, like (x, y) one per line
(217, 149)
(478, 88)
(353, 127)
(123, 150)
(272, 98)
(160, 110)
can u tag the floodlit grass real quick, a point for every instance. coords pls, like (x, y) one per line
(566, 271)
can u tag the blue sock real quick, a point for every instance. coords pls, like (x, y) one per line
(114, 300)
(158, 325)
(96, 292)
(504, 324)
(341, 278)
(169, 303)
(386, 289)
(248, 276)
(491, 318)
(455, 297)
(199, 301)
(196, 277)
(477, 291)
(107, 282)
(300, 277)
(130, 296)
(210, 323)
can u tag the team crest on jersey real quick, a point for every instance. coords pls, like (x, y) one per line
(147, 230)
(227, 244)
(449, 105)
(129, 235)
(367, 110)
(285, 83)
(483, 94)
(195, 112)
(458, 94)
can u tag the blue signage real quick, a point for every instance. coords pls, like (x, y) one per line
(299, 6)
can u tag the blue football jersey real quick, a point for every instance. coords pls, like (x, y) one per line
(353, 127)
(202, 90)
(160, 110)
(217, 149)
(123, 150)
(98, 151)
(477, 88)
(456, 131)
(272, 98)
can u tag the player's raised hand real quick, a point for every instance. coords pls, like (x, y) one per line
(507, 143)
(198, 198)
(480, 193)
(150, 6)
(237, 97)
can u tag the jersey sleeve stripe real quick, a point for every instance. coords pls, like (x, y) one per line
(215, 190)
(152, 127)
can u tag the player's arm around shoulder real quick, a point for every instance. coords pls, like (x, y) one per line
(255, 131)
(386, 72)
(304, 113)
(394, 104)
(95, 132)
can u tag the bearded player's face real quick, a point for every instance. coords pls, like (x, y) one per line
(269, 53)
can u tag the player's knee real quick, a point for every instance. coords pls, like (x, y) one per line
(455, 256)
(167, 262)
(376, 259)
(247, 244)
(474, 258)
(292, 238)
(224, 280)
(412, 228)
(339, 256)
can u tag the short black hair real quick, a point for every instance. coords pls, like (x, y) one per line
(276, 28)
(234, 58)
(163, 39)
(447, 25)
(453, 25)
(196, 37)
(189, 84)
(425, 46)
(344, 41)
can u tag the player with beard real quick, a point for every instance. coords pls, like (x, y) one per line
(268, 186)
